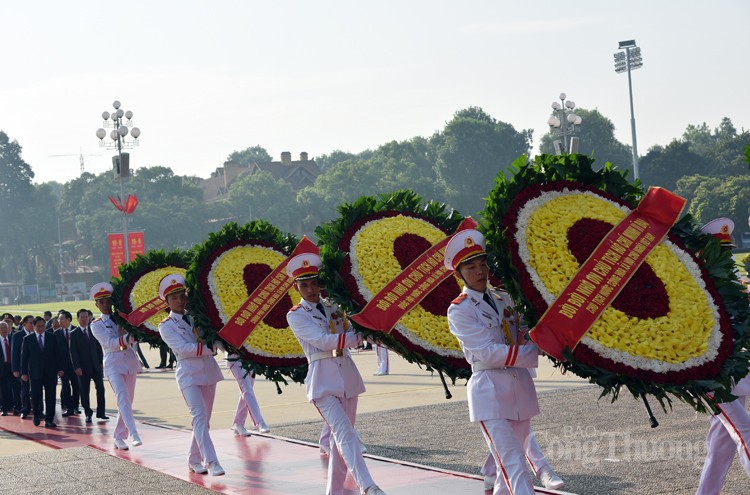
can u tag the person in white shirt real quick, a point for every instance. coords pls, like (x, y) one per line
(729, 430)
(197, 372)
(333, 382)
(248, 403)
(501, 393)
(121, 366)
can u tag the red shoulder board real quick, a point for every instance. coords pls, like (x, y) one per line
(296, 307)
(459, 299)
(164, 320)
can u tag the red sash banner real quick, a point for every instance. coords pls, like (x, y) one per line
(116, 253)
(262, 300)
(145, 311)
(414, 283)
(603, 275)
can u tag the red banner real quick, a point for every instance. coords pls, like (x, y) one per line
(145, 311)
(116, 253)
(262, 300)
(609, 268)
(408, 289)
(136, 244)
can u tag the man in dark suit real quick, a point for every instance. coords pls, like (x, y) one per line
(6, 374)
(42, 359)
(21, 404)
(87, 356)
(70, 389)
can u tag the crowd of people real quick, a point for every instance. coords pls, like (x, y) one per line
(37, 352)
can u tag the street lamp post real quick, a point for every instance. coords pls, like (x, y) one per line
(564, 121)
(121, 162)
(629, 60)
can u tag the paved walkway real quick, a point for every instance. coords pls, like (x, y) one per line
(597, 447)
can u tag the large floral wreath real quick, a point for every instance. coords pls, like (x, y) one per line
(225, 270)
(139, 284)
(679, 326)
(372, 241)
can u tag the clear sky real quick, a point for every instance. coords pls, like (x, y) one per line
(206, 78)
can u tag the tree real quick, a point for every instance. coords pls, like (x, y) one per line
(260, 196)
(16, 192)
(336, 156)
(253, 154)
(471, 150)
(665, 166)
(719, 197)
(597, 139)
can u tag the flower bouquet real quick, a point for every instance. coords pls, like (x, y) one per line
(138, 289)
(679, 326)
(371, 243)
(225, 270)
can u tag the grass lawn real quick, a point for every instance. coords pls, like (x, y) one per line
(39, 309)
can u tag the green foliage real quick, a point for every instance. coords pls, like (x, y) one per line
(15, 191)
(713, 197)
(717, 262)
(259, 195)
(330, 234)
(253, 154)
(129, 275)
(470, 152)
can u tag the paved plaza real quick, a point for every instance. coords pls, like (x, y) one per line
(596, 446)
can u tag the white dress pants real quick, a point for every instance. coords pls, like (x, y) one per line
(726, 437)
(200, 402)
(339, 413)
(534, 457)
(508, 441)
(123, 386)
(247, 402)
(383, 359)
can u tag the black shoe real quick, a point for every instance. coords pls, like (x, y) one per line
(77, 411)
(37, 420)
(4, 413)
(161, 367)
(170, 366)
(67, 413)
(24, 415)
(102, 416)
(49, 424)
(88, 418)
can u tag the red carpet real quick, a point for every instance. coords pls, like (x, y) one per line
(257, 465)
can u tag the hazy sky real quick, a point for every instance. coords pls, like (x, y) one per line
(206, 78)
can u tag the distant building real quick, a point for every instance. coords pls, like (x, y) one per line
(298, 173)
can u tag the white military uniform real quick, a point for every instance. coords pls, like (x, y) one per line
(333, 385)
(729, 431)
(501, 392)
(197, 374)
(248, 403)
(121, 366)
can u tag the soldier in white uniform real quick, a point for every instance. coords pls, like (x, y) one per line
(197, 373)
(383, 360)
(248, 403)
(121, 365)
(501, 393)
(333, 382)
(730, 428)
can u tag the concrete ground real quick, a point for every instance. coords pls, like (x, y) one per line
(597, 447)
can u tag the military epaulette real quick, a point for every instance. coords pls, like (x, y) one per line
(164, 320)
(459, 299)
(97, 319)
(295, 307)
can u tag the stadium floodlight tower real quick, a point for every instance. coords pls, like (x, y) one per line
(629, 60)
